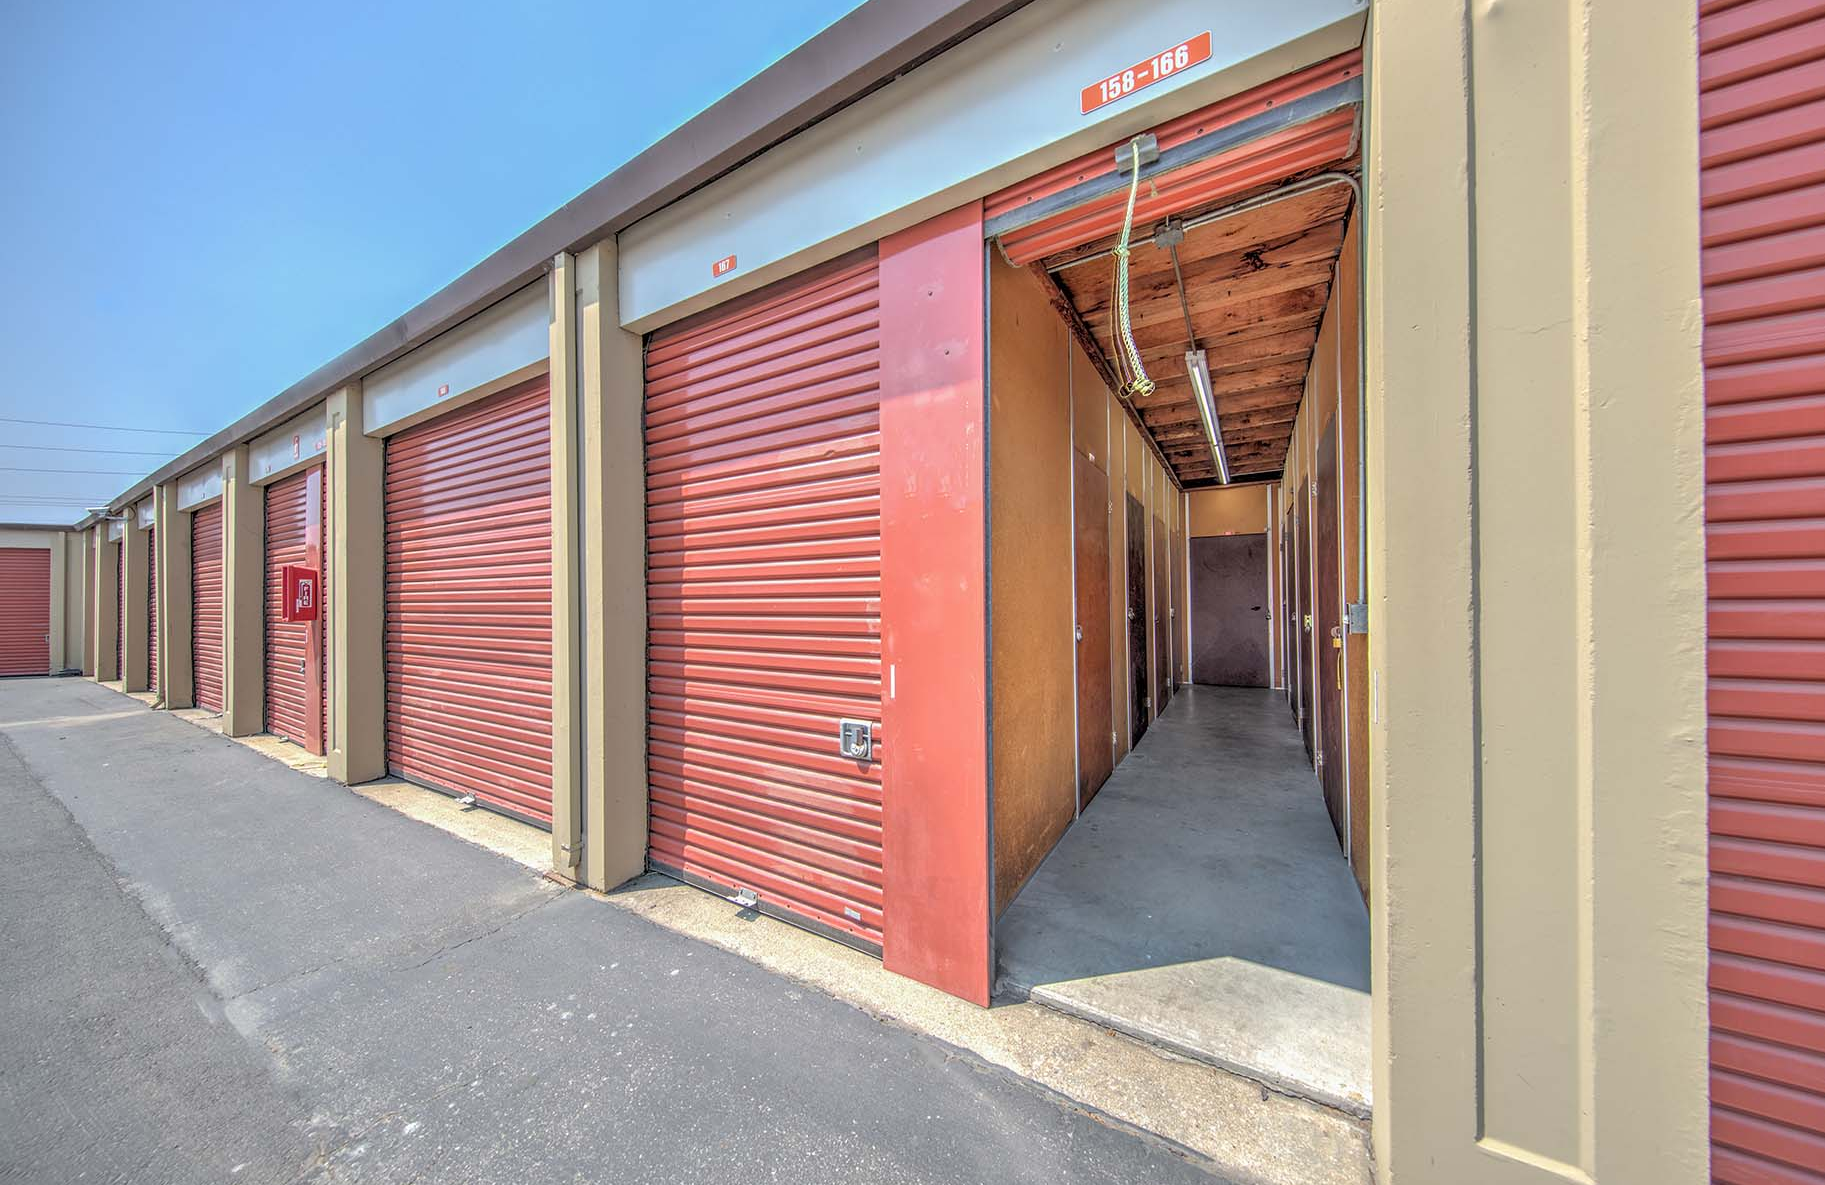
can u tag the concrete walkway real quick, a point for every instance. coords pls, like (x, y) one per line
(1202, 902)
(220, 969)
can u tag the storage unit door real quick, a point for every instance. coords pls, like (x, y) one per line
(1762, 151)
(295, 655)
(468, 602)
(206, 605)
(120, 605)
(152, 609)
(763, 592)
(25, 611)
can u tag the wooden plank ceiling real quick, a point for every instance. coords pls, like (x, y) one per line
(1257, 284)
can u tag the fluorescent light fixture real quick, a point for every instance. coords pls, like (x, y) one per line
(1199, 370)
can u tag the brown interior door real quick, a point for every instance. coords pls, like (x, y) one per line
(1288, 635)
(1095, 743)
(1140, 699)
(1229, 614)
(1162, 616)
(1327, 638)
(1303, 556)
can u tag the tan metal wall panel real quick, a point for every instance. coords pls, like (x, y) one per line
(25, 611)
(1762, 148)
(468, 602)
(206, 605)
(763, 588)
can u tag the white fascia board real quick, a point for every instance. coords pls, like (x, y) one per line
(291, 446)
(987, 113)
(504, 341)
(201, 485)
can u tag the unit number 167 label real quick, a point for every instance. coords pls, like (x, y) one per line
(1123, 83)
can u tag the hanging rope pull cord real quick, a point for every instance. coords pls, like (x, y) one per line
(1128, 369)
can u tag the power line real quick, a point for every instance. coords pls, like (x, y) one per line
(96, 472)
(82, 503)
(117, 452)
(99, 427)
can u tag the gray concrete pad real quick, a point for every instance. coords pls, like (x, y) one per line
(1202, 902)
(221, 969)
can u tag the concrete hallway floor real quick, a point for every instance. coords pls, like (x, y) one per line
(1202, 902)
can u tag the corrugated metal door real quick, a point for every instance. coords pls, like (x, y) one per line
(764, 586)
(1084, 199)
(120, 605)
(295, 658)
(25, 611)
(468, 602)
(152, 609)
(206, 605)
(1762, 148)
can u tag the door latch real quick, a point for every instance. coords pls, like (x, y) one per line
(855, 739)
(1080, 633)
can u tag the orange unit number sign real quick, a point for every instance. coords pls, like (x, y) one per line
(1167, 62)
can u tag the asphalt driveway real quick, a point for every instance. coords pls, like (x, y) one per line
(214, 968)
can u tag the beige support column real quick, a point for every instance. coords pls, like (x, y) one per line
(1536, 590)
(134, 636)
(243, 598)
(176, 654)
(614, 576)
(357, 569)
(57, 641)
(107, 610)
(86, 541)
(567, 723)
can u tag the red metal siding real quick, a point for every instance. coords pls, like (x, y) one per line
(1762, 148)
(468, 602)
(25, 611)
(764, 592)
(1323, 141)
(295, 653)
(206, 605)
(934, 603)
(152, 609)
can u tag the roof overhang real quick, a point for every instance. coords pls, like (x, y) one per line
(857, 54)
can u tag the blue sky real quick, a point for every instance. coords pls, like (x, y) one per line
(203, 202)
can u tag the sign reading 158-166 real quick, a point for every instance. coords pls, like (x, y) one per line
(1164, 64)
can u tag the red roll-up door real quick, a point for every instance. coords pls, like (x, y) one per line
(25, 611)
(1298, 124)
(120, 605)
(206, 605)
(468, 602)
(152, 609)
(295, 653)
(763, 591)
(1762, 148)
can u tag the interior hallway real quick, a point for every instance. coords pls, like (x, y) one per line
(1202, 902)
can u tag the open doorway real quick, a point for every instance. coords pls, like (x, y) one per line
(1177, 850)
